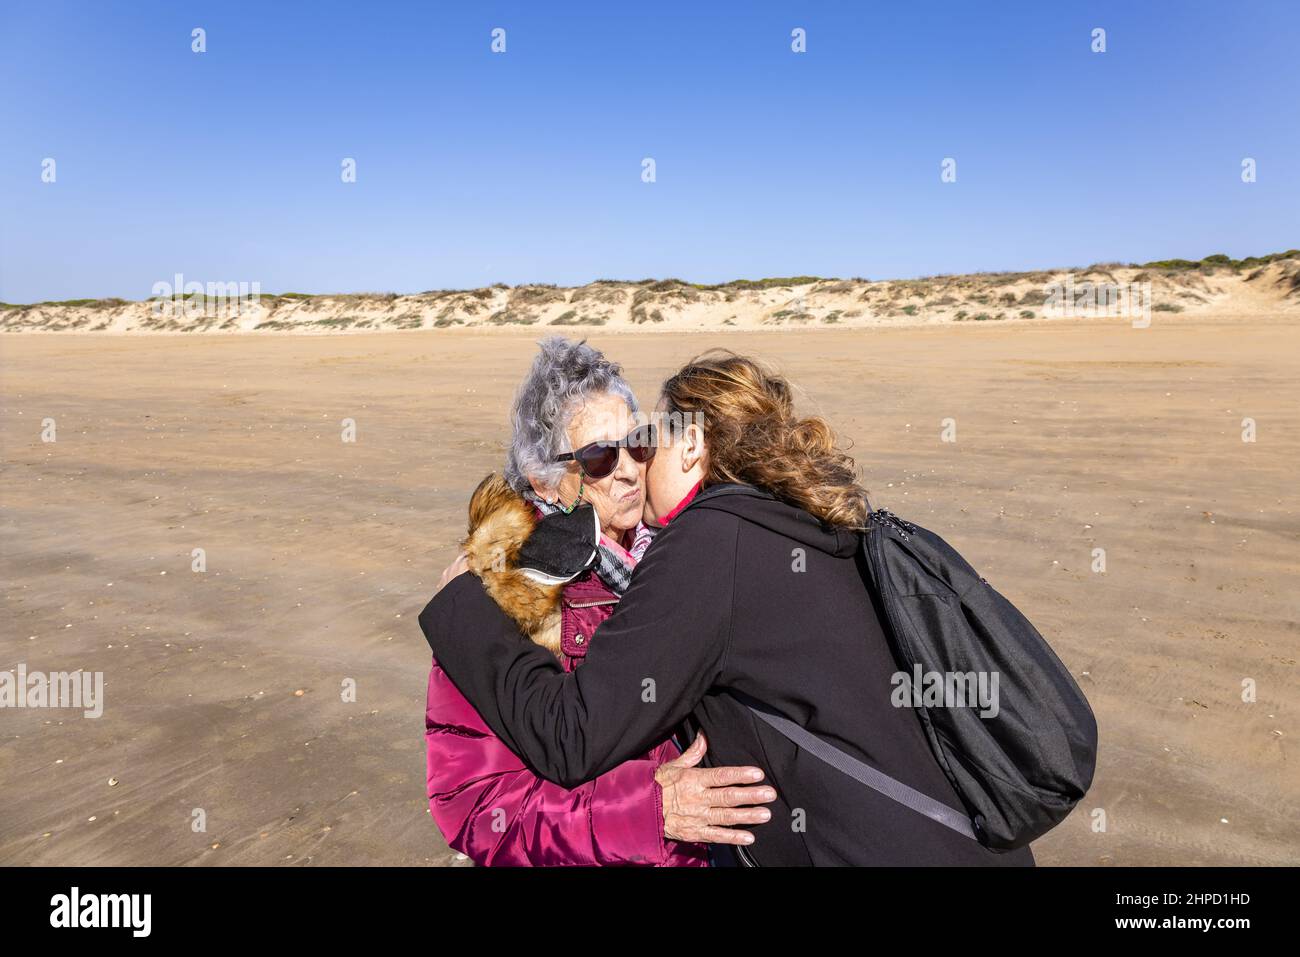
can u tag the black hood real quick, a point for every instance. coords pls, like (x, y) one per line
(764, 509)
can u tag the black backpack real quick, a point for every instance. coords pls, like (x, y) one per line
(1019, 773)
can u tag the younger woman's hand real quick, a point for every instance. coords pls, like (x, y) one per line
(705, 804)
(458, 565)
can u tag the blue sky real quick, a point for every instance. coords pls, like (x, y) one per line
(474, 167)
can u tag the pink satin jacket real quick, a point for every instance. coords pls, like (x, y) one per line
(490, 807)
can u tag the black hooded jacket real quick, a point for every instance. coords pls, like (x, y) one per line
(768, 603)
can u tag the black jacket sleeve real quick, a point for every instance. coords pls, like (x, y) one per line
(650, 663)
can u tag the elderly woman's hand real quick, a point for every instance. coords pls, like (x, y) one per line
(704, 804)
(458, 565)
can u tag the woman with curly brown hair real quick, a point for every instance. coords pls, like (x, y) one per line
(763, 600)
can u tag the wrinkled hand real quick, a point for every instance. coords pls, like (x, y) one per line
(704, 804)
(458, 565)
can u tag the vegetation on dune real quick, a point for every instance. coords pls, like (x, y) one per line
(535, 295)
(508, 317)
(767, 283)
(573, 319)
(835, 287)
(640, 315)
(791, 315)
(733, 285)
(110, 303)
(599, 293)
(1219, 259)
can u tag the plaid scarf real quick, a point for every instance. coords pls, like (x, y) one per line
(613, 566)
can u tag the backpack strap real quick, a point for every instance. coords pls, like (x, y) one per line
(864, 773)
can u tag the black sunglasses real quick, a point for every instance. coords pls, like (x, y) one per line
(598, 459)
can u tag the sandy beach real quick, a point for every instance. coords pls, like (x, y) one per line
(224, 687)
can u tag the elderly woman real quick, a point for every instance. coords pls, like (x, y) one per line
(574, 479)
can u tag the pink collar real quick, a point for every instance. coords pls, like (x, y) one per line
(681, 505)
(617, 548)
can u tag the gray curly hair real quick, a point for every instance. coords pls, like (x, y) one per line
(563, 376)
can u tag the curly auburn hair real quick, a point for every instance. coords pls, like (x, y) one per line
(752, 435)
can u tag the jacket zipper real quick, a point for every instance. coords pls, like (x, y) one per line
(885, 517)
(591, 604)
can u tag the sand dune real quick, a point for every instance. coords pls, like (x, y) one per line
(1213, 286)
